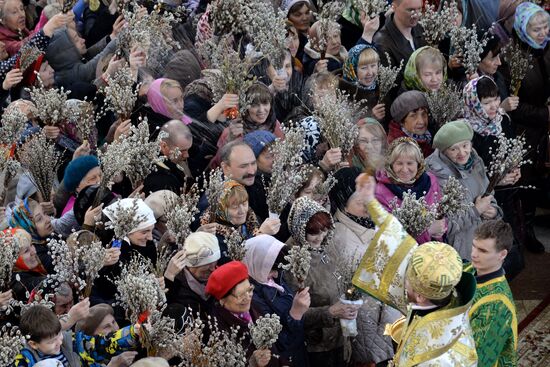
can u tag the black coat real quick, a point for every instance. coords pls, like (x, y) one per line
(167, 176)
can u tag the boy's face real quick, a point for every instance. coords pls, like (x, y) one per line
(485, 257)
(48, 346)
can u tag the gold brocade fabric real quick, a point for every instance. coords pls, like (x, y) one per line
(442, 337)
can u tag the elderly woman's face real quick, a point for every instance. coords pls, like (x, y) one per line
(538, 28)
(405, 168)
(460, 152)
(174, 101)
(140, 238)
(239, 299)
(13, 16)
(416, 121)
(27, 253)
(237, 212)
(369, 143)
(47, 75)
(106, 326)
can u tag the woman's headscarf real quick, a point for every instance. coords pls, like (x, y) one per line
(222, 212)
(158, 102)
(476, 115)
(261, 253)
(21, 236)
(143, 211)
(352, 63)
(524, 12)
(21, 217)
(412, 76)
(301, 212)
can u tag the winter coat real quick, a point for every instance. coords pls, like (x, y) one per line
(389, 39)
(66, 60)
(461, 228)
(385, 196)
(312, 57)
(262, 252)
(181, 293)
(226, 320)
(395, 132)
(323, 332)
(13, 40)
(370, 345)
(167, 176)
(484, 144)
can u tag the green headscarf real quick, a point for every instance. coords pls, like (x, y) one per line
(412, 76)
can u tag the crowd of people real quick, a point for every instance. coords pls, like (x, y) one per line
(351, 282)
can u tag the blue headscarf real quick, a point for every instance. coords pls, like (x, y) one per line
(352, 63)
(524, 12)
(21, 217)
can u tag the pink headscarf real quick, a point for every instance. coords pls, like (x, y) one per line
(158, 103)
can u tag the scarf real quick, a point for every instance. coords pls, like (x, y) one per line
(158, 102)
(421, 165)
(244, 316)
(412, 76)
(21, 217)
(476, 115)
(271, 283)
(352, 63)
(20, 265)
(362, 221)
(467, 166)
(420, 187)
(419, 138)
(524, 12)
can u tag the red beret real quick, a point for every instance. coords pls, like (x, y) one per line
(224, 278)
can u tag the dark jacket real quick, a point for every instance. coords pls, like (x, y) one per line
(66, 60)
(389, 39)
(485, 144)
(166, 176)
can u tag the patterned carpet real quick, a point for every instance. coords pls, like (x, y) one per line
(534, 337)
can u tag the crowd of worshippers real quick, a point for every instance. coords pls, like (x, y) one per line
(269, 182)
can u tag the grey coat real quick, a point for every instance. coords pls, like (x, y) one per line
(66, 60)
(461, 228)
(370, 345)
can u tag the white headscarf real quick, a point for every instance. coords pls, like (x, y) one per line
(142, 211)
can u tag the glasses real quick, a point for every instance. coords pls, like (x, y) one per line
(203, 253)
(242, 296)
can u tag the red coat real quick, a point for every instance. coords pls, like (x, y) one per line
(395, 132)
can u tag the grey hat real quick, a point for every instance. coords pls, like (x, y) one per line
(407, 102)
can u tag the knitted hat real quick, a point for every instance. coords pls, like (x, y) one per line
(434, 270)
(158, 201)
(407, 102)
(201, 248)
(258, 140)
(77, 169)
(225, 278)
(287, 4)
(344, 187)
(452, 133)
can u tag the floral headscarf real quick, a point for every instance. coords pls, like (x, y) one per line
(476, 115)
(158, 102)
(21, 217)
(412, 76)
(352, 63)
(222, 213)
(524, 12)
(22, 237)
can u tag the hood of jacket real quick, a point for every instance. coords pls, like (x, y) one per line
(261, 253)
(301, 212)
(61, 52)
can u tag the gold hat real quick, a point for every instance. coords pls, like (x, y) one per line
(434, 270)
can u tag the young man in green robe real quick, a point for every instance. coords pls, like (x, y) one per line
(493, 313)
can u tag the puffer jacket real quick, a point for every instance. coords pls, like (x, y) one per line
(370, 345)
(66, 60)
(461, 228)
(322, 331)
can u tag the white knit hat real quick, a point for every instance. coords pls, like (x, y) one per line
(201, 248)
(142, 210)
(287, 4)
